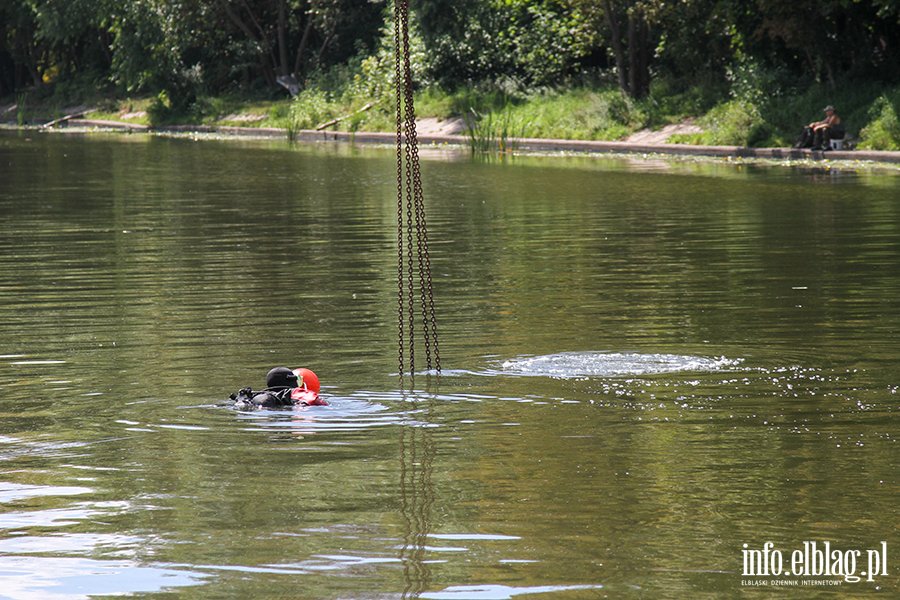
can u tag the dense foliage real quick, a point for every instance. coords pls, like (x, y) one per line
(743, 55)
(181, 48)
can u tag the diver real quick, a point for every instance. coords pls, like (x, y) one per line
(284, 388)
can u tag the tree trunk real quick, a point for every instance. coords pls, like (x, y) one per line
(618, 48)
(258, 36)
(812, 66)
(237, 20)
(283, 68)
(34, 66)
(638, 72)
(322, 49)
(298, 63)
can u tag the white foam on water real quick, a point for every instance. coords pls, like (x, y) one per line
(570, 365)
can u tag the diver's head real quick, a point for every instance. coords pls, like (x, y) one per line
(281, 377)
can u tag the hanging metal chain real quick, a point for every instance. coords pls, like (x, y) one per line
(398, 77)
(409, 189)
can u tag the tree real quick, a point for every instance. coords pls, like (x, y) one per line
(284, 32)
(631, 52)
(45, 38)
(836, 37)
(530, 42)
(189, 47)
(627, 31)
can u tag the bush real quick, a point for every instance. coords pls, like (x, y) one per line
(160, 112)
(758, 84)
(671, 101)
(883, 130)
(311, 108)
(734, 123)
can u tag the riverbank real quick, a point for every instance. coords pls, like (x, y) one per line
(584, 120)
(521, 144)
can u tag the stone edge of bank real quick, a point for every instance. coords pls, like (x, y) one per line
(532, 144)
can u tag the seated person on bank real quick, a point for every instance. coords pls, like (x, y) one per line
(826, 130)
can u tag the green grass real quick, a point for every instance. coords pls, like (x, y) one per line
(581, 115)
(769, 117)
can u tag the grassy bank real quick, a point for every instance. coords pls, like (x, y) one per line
(750, 118)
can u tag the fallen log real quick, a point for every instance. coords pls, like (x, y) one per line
(339, 119)
(67, 117)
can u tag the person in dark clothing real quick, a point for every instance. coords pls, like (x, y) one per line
(826, 130)
(284, 388)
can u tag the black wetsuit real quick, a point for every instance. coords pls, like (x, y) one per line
(268, 398)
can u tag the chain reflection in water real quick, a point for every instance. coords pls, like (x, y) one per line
(417, 452)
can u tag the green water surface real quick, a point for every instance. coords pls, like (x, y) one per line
(646, 365)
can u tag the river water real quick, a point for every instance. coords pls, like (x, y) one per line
(650, 370)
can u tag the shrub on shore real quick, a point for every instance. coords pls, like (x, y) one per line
(883, 129)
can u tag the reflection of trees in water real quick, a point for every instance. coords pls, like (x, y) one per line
(417, 453)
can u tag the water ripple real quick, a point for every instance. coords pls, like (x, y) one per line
(62, 578)
(498, 592)
(10, 492)
(343, 413)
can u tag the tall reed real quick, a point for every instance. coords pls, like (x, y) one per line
(291, 128)
(21, 107)
(490, 133)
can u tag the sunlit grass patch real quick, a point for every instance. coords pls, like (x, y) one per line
(581, 115)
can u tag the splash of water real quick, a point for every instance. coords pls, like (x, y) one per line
(570, 365)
